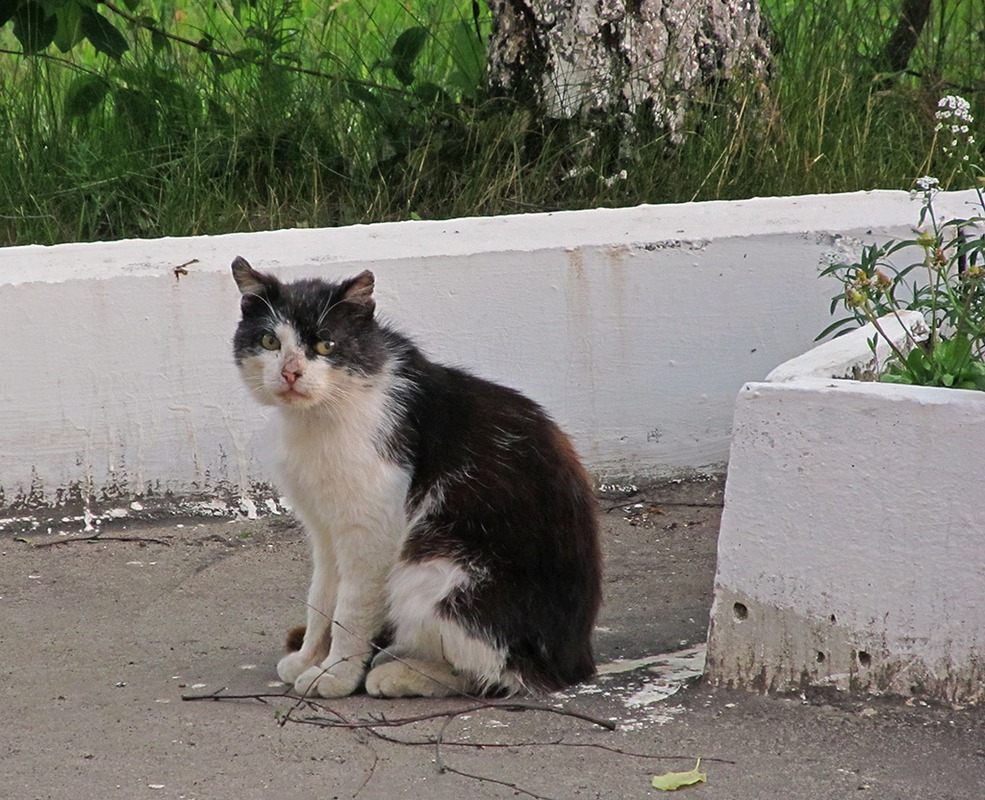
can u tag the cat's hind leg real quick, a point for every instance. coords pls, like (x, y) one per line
(432, 655)
(414, 677)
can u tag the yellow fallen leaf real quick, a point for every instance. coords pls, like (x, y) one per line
(670, 781)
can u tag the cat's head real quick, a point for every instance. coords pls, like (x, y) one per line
(306, 344)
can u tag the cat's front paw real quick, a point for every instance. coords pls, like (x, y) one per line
(338, 680)
(290, 667)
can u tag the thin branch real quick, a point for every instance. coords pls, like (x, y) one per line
(627, 753)
(385, 722)
(217, 695)
(98, 537)
(517, 789)
(438, 760)
(429, 742)
(370, 772)
(63, 61)
(443, 767)
(374, 728)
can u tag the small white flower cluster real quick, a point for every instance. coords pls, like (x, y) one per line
(954, 119)
(612, 180)
(927, 183)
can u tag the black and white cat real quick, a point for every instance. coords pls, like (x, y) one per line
(449, 517)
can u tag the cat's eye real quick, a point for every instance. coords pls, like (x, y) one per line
(269, 342)
(325, 348)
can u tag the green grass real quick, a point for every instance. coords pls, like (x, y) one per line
(171, 141)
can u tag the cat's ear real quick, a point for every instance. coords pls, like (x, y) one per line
(250, 282)
(359, 291)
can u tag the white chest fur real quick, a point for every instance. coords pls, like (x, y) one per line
(331, 471)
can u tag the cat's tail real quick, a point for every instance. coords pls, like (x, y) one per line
(295, 638)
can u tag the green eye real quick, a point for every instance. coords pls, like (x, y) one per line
(269, 342)
(325, 348)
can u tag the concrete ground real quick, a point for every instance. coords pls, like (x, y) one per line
(101, 639)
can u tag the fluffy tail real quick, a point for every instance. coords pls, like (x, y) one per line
(295, 638)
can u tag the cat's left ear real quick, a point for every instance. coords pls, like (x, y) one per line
(359, 291)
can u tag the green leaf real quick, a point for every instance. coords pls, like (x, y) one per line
(364, 96)
(69, 32)
(409, 44)
(405, 52)
(670, 781)
(834, 326)
(135, 108)
(431, 93)
(104, 37)
(159, 41)
(84, 94)
(468, 53)
(33, 28)
(7, 10)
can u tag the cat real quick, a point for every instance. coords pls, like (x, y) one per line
(449, 517)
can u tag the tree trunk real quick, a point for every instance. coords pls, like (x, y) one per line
(899, 48)
(572, 57)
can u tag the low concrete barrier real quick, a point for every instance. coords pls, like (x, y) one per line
(851, 551)
(634, 327)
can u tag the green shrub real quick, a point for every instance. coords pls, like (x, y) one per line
(158, 118)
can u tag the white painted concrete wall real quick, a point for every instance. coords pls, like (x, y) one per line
(634, 327)
(851, 551)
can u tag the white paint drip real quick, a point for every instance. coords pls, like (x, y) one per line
(89, 521)
(248, 507)
(645, 701)
(684, 661)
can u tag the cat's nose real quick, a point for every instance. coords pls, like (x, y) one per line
(291, 375)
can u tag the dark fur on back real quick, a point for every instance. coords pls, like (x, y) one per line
(518, 508)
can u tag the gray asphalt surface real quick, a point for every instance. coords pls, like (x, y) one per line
(100, 639)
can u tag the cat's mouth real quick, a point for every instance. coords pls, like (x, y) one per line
(291, 395)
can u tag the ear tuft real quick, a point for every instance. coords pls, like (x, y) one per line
(249, 281)
(360, 290)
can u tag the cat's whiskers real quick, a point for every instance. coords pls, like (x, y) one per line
(274, 313)
(328, 310)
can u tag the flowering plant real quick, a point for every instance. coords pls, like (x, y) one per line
(945, 281)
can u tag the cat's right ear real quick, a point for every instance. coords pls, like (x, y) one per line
(251, 283)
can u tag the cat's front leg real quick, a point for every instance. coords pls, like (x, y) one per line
(321, 609)
(359, 617)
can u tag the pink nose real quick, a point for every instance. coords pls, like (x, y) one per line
(290, 375)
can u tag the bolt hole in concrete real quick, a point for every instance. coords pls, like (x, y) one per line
(740, 611)
(864, 659)
(820, 657)
(834, 619)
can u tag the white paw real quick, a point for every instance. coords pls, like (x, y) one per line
(339, 680)
(290, 667)
(399, 679)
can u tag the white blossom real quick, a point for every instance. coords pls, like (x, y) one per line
(954, 117)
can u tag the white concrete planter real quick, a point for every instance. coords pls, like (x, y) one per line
(852, 548)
